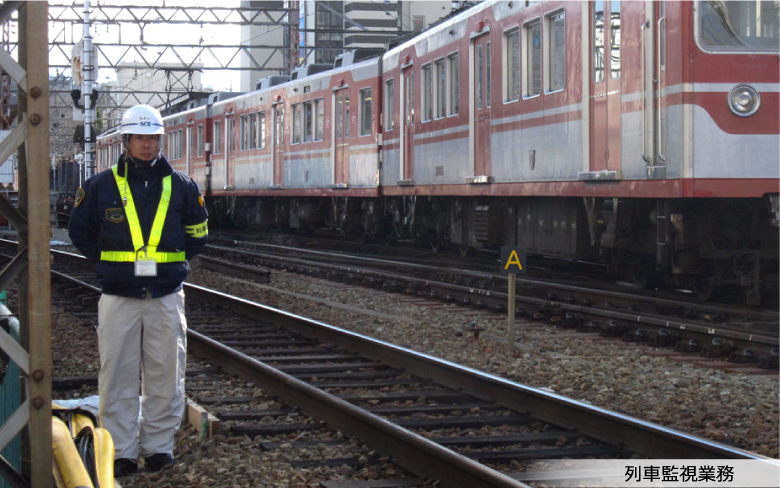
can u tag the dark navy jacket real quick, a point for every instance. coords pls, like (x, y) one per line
(98, 223)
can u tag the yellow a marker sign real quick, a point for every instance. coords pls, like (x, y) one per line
(512, 260)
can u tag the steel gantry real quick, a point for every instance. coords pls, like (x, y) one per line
(32, 353)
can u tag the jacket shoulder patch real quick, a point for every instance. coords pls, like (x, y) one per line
(115, 215)
(80, 194)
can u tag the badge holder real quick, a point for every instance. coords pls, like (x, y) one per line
(144, 265)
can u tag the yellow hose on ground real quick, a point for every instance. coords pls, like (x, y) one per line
(67, 463)
(78, 421)
(105, 454)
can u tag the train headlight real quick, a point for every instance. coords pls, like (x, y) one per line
(744, 100)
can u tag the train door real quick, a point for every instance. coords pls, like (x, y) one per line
(278, 143)
(341, 139)
(407, 118)
(481, 105)
(605, 99)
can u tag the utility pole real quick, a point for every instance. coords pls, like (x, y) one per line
(89, 107)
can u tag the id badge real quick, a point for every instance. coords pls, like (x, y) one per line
(146, 267)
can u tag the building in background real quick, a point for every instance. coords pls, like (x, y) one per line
(328, 28)
(164, 79)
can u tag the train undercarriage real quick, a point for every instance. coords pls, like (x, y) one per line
(708, 246)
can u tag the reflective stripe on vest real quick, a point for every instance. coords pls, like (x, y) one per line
(140, 250)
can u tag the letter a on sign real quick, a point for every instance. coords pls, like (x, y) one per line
(512, 260)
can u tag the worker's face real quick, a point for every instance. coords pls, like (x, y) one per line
(143, 146)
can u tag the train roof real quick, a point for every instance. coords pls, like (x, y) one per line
(449, 30)
(360, 70)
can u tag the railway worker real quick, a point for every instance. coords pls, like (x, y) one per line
(141, 222)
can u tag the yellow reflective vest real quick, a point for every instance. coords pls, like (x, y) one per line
(141, 250)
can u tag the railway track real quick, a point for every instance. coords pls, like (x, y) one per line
(736, 335)
(409, 406)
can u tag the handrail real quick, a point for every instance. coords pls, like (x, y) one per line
(660, 119)
(645, 25)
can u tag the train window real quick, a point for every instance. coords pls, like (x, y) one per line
(488, 64)
(598, 40)
(307, 121)
(556, 54)
(614, 35)
(190, 143)
(243, 133)
(512, 65)
(217, 137)
(231, 135)
(194, 143)
(662, 36)
(454, 92)
(427, 93)
(279, 125)
(296, 121)
(441, 89)
(346, 115)
(177, 146)
(200, 140)
(366, 101)
(739, 25)
(251, 135)
(390, 105)
(532, 85)
(339, 117)
(260, 135)
(319, 119)
(479, 76)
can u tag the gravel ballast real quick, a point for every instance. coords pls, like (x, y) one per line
(732, 408)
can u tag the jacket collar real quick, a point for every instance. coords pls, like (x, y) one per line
(161, 168)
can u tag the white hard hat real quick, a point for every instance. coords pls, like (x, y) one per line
(142, 119)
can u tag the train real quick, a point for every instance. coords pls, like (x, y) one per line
(642, 135)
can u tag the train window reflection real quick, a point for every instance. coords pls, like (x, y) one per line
(307, 122)
(598, 41)
(217, 137)
(479, 76)
(366, 101)
(533, 59)
(512, 46)
(614, 35)
(557, 50)
(390, 105)
(260, 130)
(453, 69)
(319, 120)
(427, 93)
(487, 74)
(441, 90)
(740, 25)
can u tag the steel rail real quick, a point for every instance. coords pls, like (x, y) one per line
(614, 428)
(726, 331)
(414, 452)
(755, 314)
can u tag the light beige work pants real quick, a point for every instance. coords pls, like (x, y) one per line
(143, 347)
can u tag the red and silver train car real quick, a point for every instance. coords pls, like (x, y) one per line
(299, 153)
(644, 135)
